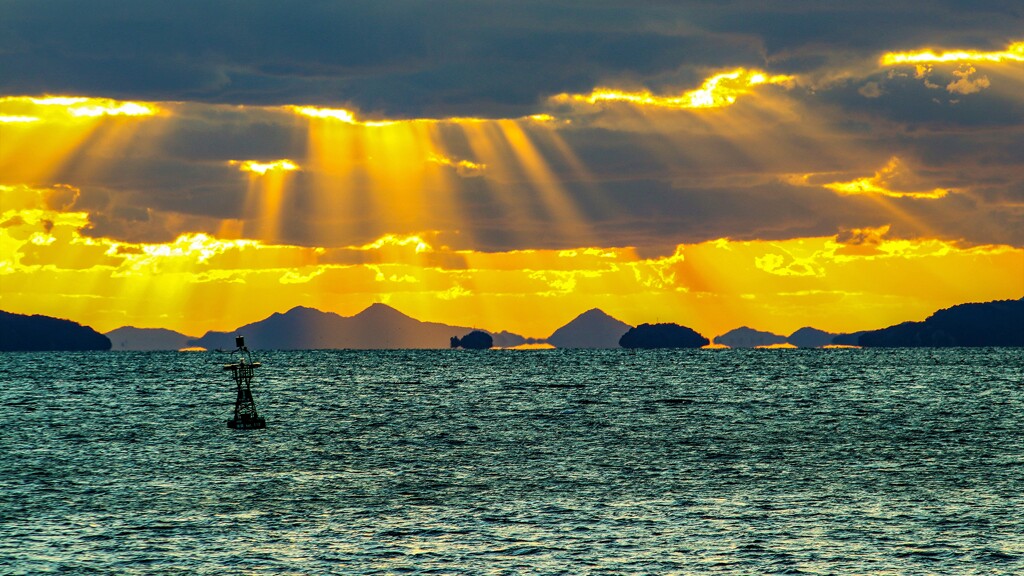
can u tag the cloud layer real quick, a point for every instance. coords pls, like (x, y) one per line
(501, 128)
(408, 58)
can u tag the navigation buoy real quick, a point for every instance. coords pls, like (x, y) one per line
(242, 372)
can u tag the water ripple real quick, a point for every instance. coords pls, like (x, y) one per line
(516, 462)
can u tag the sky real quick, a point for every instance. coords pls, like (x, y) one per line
(509, 165)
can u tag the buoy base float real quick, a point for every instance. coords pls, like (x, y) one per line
(248, 423)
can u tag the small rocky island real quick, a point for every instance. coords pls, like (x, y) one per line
(475, 340)
(662, 336)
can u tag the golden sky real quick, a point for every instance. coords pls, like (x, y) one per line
(853, 195)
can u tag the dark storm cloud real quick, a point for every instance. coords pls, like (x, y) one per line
(651, 212)
(796, 26)
(409, 58)
(212, 51)
(233, 133)
(899, 96)
(659, 178)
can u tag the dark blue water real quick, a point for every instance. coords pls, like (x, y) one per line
(516, 462)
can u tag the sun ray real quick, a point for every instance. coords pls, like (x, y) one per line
(337, 152)
(486, 145)
(62, 129)
(445, 175)
(267, 188)
(554, 196)
(395, 167)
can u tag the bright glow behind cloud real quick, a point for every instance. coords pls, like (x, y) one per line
(262, 168)
(197, 282)
(84, 107)
(883, 184)
(1013, 53)
(339, 114)
(715, 92)
(17, 119)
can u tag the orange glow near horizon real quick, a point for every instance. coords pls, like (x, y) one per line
(199, 282)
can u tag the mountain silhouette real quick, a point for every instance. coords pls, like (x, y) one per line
(377, 327)
(592, 329)
(998, 323)
(662, 336)
(37, 333)
(131, 338)
(849, 339)
(808, 337)
(744, 337)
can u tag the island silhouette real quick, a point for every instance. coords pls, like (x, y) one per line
(745, 337)
(475, 340)
(662, 336)
(996, 323)
(132, 338)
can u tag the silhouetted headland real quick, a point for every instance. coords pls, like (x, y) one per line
(662, 336)
(20, 332)
(851, 339)
(998, 323)
(475, 340)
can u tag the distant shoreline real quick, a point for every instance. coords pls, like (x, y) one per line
(998, 323)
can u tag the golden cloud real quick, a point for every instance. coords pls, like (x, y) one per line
(966, 83)
(715, 92)
(207, 282)
(887, 182)
(261, 168)
(464, 168)
(23, 109)
(1013, 53)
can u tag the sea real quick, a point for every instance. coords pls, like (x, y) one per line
(851, 461)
